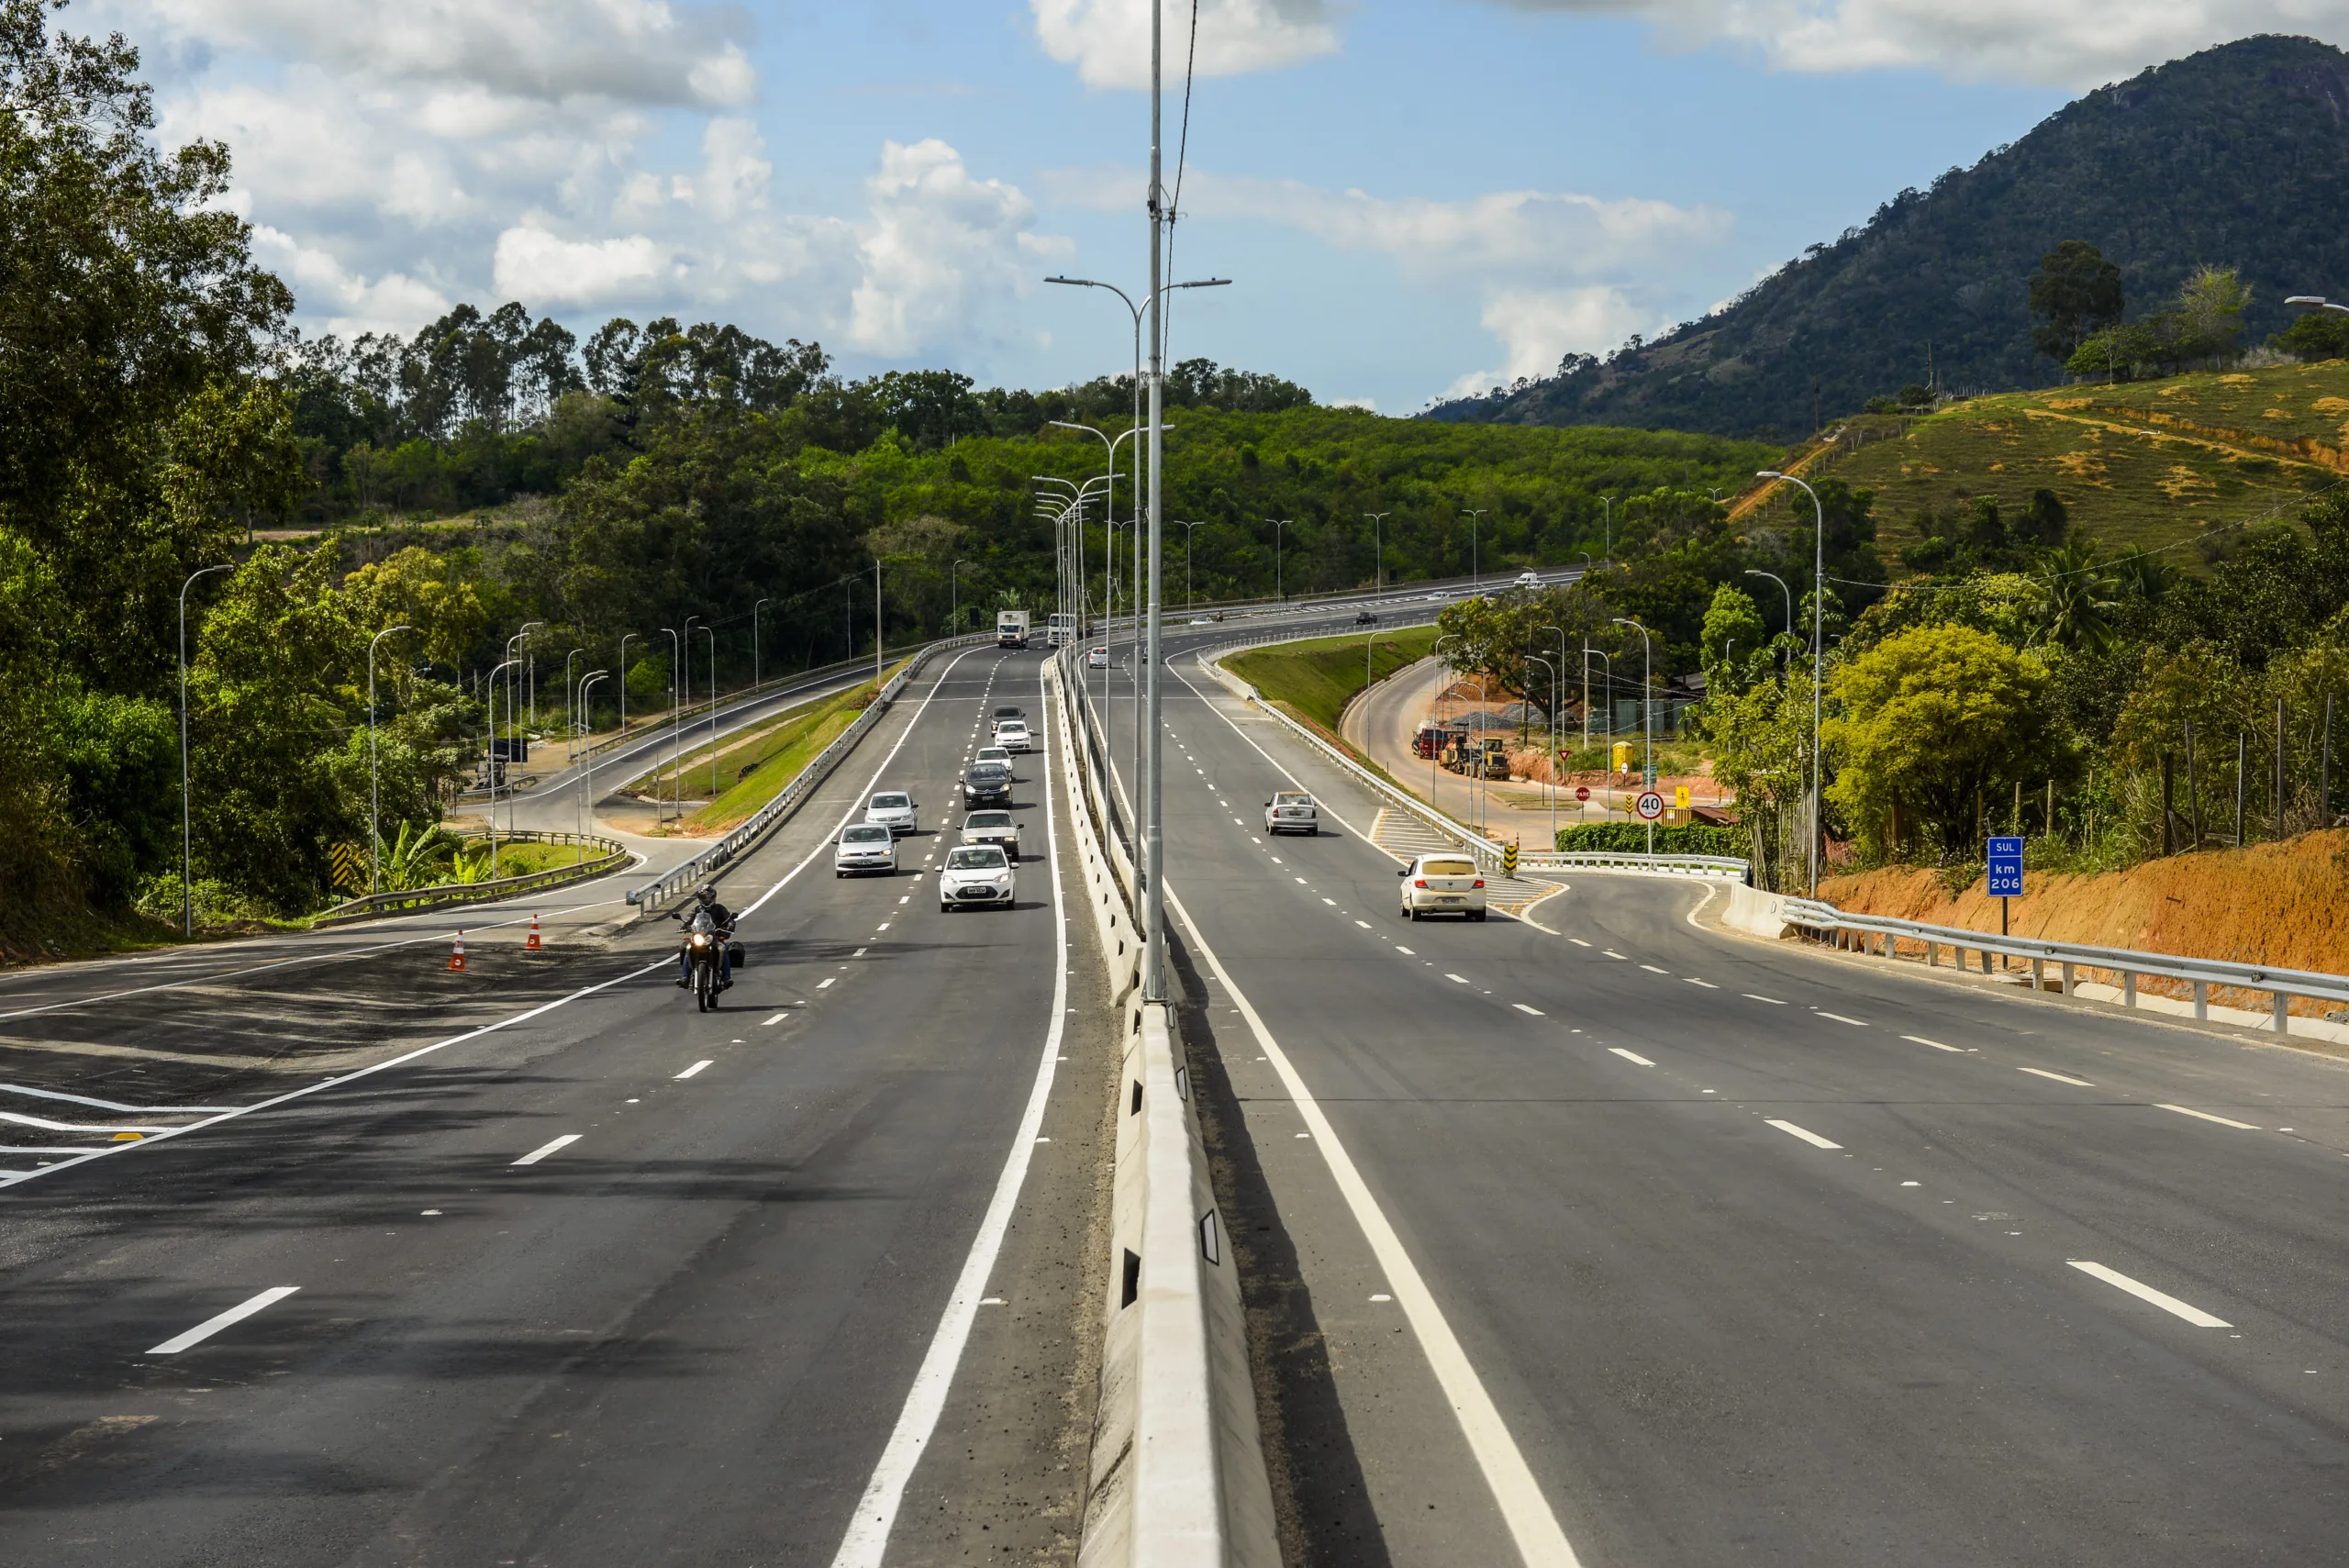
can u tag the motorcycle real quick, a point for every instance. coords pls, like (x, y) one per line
(705, 946)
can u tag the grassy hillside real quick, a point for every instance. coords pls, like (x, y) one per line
(1315, 679)
(2143, 463)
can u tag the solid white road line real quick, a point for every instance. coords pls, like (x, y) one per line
(1706, 983)
(1631, 1056)
(2144, 1292)
(12, 1178)
(868, 1532)
(113, 1105)
(1803, 1132)
(696, 1068)
(1752, 997)
(1523, 1008)
(212, 1326)
(1578, 942)
(1937, 1045)
(1651, 969)
(1856, 1023)
(2206, 1115)
(1532, 1523)
(2059, 1077)
(543, 1150)
(21, 1119)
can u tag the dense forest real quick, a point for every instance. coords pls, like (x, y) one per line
(494, 485)
(2232, 156)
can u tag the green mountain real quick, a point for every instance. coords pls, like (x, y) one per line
(2236, 156)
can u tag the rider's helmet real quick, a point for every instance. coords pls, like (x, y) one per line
(707, 896)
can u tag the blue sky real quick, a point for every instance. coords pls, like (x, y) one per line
(1411, 198)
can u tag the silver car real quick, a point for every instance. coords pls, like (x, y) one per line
(1292, 811)
(892, 809)
(1441, 885)
(865, 845)
(977, 876)
(998, 754)
(994, 828)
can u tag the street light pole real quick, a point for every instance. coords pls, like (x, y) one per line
(676, 712)
(1647, 716)
(1279, 592)
(1475, 572)
(954, 600)
(187, 852)
(1378, 560)
(587, 818)
(570, 716)
(1789, 593)
(374, 795)
(1434, 752)
(625, 640)
(1537, 659)
(1188, 529)
(711, 632)
(496, 764)
(754, 641)
(1818, 653)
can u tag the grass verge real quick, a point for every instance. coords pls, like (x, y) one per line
(1315, 679)
(760, 763)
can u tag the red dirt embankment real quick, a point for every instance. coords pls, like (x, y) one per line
(2285, 904)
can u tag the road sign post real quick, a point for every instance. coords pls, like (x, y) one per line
(1649, 805)
(2006, 874)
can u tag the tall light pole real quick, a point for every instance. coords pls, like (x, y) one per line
(1378, 561)
(1607, 685)
(1789, 593)
(677, 711)
(1818, 653)
(570, 716)
(1188, 529)
(754, 640)
(711, 632)
(1279, 592)
(876, 627)
(625, 640)
(188, 838)
(685, 699)
(587, 818)
(1537, 659)
(1554, 712)
(1607, 529)
(1475, 572)
(1434, 752)
(374, 794)
(496, 764)
(955, 600)
(1647, 716)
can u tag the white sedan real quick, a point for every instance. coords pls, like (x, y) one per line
(977, 876)
(1445, 884)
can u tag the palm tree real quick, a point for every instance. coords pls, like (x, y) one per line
(2076, 592)
(2139, 573)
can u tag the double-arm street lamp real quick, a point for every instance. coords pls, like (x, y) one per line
(1647, 716)
(1378, 560)
(1818, 650)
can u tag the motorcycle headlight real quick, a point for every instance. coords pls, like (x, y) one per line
(700, 941)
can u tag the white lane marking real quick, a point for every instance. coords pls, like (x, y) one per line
(868, 1532)
(2059, 1077)
(1856, 1023)
(1631, 1056)
(1651, 969)
(1406, 951)
(1364, 924)
(882, 927)
(1540, 1544)
(1937, 1045)
(21, 1119)
(543, 1150)
(1578, 942)
(1706, 983)
(2206, 1115)
(1300, 879)
(212, 1326)
(1330, 902)
(112, 1105)
(1523, 1008)
(697, 1067)
(906, 899)
(1457, 979)
(765, 1023)
(2144, 1292)
(1804, 1133)
(826, 981)
(1752, 997)
(12, 1178)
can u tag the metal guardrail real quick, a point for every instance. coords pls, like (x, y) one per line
(2199, 973)
(747, 835)
(1728, 866)
(419, 900)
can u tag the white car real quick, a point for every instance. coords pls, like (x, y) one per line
(1097, 659)
(994, 754)
(1434, 599)
(994, 828)
(865, 845)
(1446, 884)
(1292, 811)
(1012, 735)
(894, 810)
(1529, 580)
(977, 876)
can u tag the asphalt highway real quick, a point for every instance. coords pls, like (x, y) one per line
(533, 1263)
(1609, 1236)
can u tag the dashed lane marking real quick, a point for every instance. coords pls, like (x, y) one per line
(2059, 1077)
(1937, 1045)
(1631, 1055)
(1523, 1008)
(212, 1326)
(1803, 1132)
(697, 1067)
(820, 984)
(1855, 1023)
(2144, 1292)
(543, 1150)
(1752, 997)
(2206, 1115)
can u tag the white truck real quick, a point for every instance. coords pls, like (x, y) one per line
(1011, 628)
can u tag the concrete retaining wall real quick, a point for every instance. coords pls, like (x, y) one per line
(1756, 912)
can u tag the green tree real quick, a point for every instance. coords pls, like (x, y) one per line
(1760, 738)
(1732, 623)
(1927, 725)
(2074, 292)
(2211, 305)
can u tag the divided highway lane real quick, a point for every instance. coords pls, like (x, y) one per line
(1745, 1262)
(617, 1283)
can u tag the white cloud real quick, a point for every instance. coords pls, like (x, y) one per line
(545, 269)
(1539, 326)
(1108, 40)
(2073, 44)
(941, 250)
(341, 301)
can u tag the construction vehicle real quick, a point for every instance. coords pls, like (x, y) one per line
(1493, 757)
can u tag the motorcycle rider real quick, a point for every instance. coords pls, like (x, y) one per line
(705, 902)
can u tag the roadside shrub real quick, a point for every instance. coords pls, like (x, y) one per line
(1631, 838)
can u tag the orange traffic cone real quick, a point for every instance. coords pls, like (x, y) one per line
(457, 953)
(533, 945)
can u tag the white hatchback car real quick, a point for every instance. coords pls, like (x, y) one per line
(977, 876)
(1097, 659)
(1445, 884)
(1529, 580)
(865, 845)
(1012, 735)
(894, 810)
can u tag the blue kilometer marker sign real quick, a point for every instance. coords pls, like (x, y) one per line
(2005, 868)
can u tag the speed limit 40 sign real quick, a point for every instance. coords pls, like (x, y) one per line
(1649, 805)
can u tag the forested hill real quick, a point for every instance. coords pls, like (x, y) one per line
(2236, 156)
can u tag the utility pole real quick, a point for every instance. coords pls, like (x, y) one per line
(876, 624)
(187, 839)
(1153, 882)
